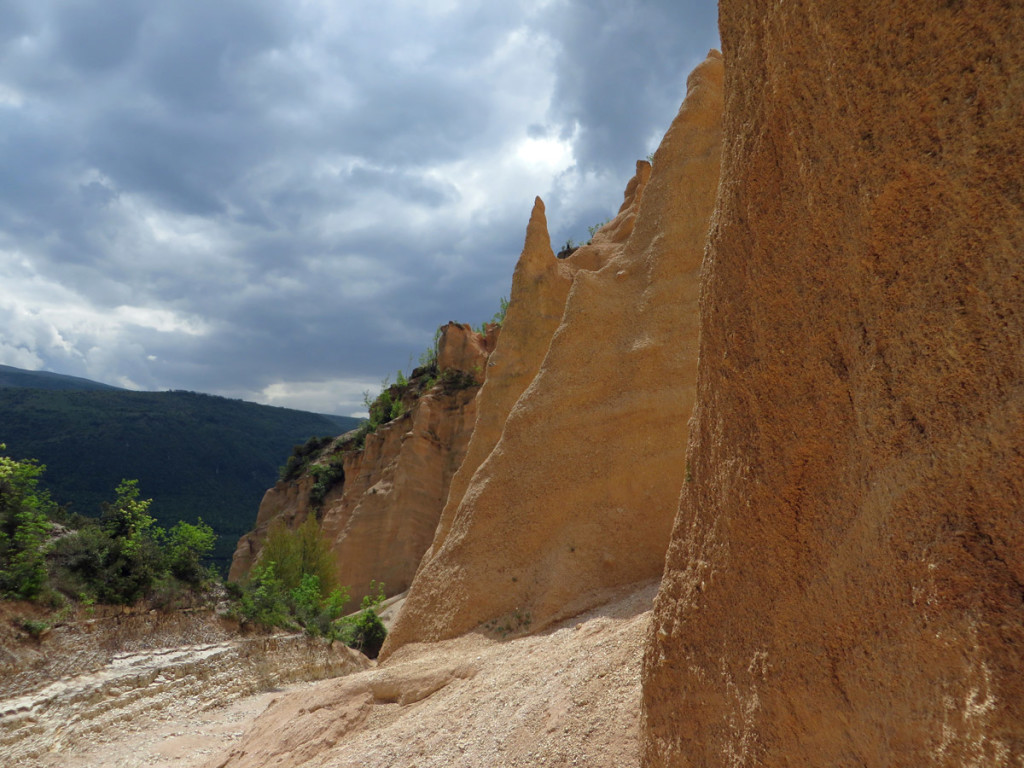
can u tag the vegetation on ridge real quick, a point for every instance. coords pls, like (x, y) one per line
(323, 457)
(571, 246)
(119, 558)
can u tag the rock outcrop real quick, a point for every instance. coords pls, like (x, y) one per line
(287, 502)
(380, 514)
(846, 574)
(540, 284)
(577, 495)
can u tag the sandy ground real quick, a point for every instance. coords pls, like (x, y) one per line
(176, 736)
(567, 696)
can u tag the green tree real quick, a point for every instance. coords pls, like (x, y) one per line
(299, 552)
(117, 559)
(127, 517)
(264, 601)
(365, 631)
(186, 546)
(24, 528)
(316, 612)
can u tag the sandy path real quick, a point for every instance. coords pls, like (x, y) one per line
(144, 707)
(177, 736)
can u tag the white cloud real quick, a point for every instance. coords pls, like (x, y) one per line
(19, 357)
(340, 396)
(162, 320)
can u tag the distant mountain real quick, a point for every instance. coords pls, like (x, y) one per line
(195, 455)
(18, 377)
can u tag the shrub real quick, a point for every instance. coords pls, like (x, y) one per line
(115, 559)
(301, 456)
(380, 409)
(265, 600)
(127, 517)
(295, 584)
(132, 556)
(568, 249)
(498, 318)
(454, 380)
(365, 631)
(428, 358)
(397, 410)
(187, 545)
(131, 567)
(326, 476)
(78, 561)
(592, 230)
(24, 528)
(299, 552)
(387, 406)
(124, 556)
(316, 613)
(35, 627)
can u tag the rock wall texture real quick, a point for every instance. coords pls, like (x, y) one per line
(578, 493)
(288, 502)
(381, 516)
(845, 580)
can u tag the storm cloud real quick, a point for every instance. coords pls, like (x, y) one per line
(281, 202)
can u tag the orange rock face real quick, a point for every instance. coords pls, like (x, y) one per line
(287, 502)
(577, 495)
(462, 349)
(381, 518)
(844, 584)
(540, 285)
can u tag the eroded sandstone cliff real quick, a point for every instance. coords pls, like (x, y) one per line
(844, 585)
(577, 494)
(383, 499)
(540, 284)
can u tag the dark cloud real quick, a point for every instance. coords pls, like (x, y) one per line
(622, 70)
(14, 21)
(97, 36)
(250, 197)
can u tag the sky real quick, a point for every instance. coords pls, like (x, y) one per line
(281, 201)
